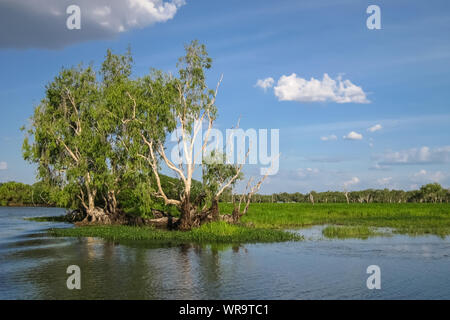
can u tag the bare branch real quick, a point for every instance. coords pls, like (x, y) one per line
(154, 165)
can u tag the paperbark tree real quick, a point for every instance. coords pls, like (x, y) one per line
(76, 141)
(66, 146)
(190, 103)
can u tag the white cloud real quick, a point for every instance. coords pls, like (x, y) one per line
(293, 88)
(329, 138)
(265, 83)
(353, 136)
(417, 156)
(384, 181)
(352, 181)
(28, 24)
(302, 173)
(420, 173)
(3, 165)
(375, 128)
(377, 166)
(423, 176)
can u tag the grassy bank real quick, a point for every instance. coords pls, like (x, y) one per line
(405, 218)
(218, 232)
(345, 220)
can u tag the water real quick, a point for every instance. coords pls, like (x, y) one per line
(33, 266)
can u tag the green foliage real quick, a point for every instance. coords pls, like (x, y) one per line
(68, 145)
(86, 133)
(432, 192)
(15, 193)
(216, 172)
(197, 97)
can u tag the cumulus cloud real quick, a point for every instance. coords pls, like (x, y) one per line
(265, 83)
(417, 156)
(378, 166)
(384, 181)
(3, 165)
(42, 24)
(352, 181)
(423, 176)
(303, 173)
(329, 138)
(353, 136)
(294, 88)
(375, 128)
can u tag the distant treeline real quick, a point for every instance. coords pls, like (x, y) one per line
(20, 194)
(433, 193)
(39, 194)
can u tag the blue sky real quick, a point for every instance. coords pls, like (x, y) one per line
(402, 70)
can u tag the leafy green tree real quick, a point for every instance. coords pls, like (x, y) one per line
(432, 192)
(15, 194)
(68, 148)
(76, 141)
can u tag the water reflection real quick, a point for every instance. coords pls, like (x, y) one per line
(33, 266)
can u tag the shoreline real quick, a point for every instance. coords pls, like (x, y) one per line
(269, 223)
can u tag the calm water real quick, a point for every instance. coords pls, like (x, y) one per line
(33, 266)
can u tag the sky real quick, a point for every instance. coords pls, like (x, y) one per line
(356, 108)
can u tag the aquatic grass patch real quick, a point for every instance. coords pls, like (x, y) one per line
(351, 232)
(217, 232)
(440, 231)
(406, 218)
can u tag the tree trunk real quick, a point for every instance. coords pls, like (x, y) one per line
(186, 221)
(95, 214)
(236, 215)
(214, 210)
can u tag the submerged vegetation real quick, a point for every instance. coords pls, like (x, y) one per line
(345, 232)
(48, 219)
(215, 232)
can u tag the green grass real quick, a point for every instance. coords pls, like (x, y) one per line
(347, 232)
(217, 232)
(404, 218)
